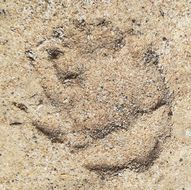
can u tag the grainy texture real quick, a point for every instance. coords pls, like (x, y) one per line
(95, 95)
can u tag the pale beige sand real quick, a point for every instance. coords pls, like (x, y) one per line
(95, 95)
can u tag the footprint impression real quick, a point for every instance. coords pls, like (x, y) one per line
(114, 106)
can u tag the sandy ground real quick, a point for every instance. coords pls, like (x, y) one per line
(95, 95)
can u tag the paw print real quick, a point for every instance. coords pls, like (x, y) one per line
(114, 111)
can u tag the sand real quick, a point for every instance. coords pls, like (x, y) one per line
(95, 95)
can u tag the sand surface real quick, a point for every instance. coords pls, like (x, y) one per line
(95, 95)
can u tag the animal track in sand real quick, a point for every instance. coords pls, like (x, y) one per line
(115, 110)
